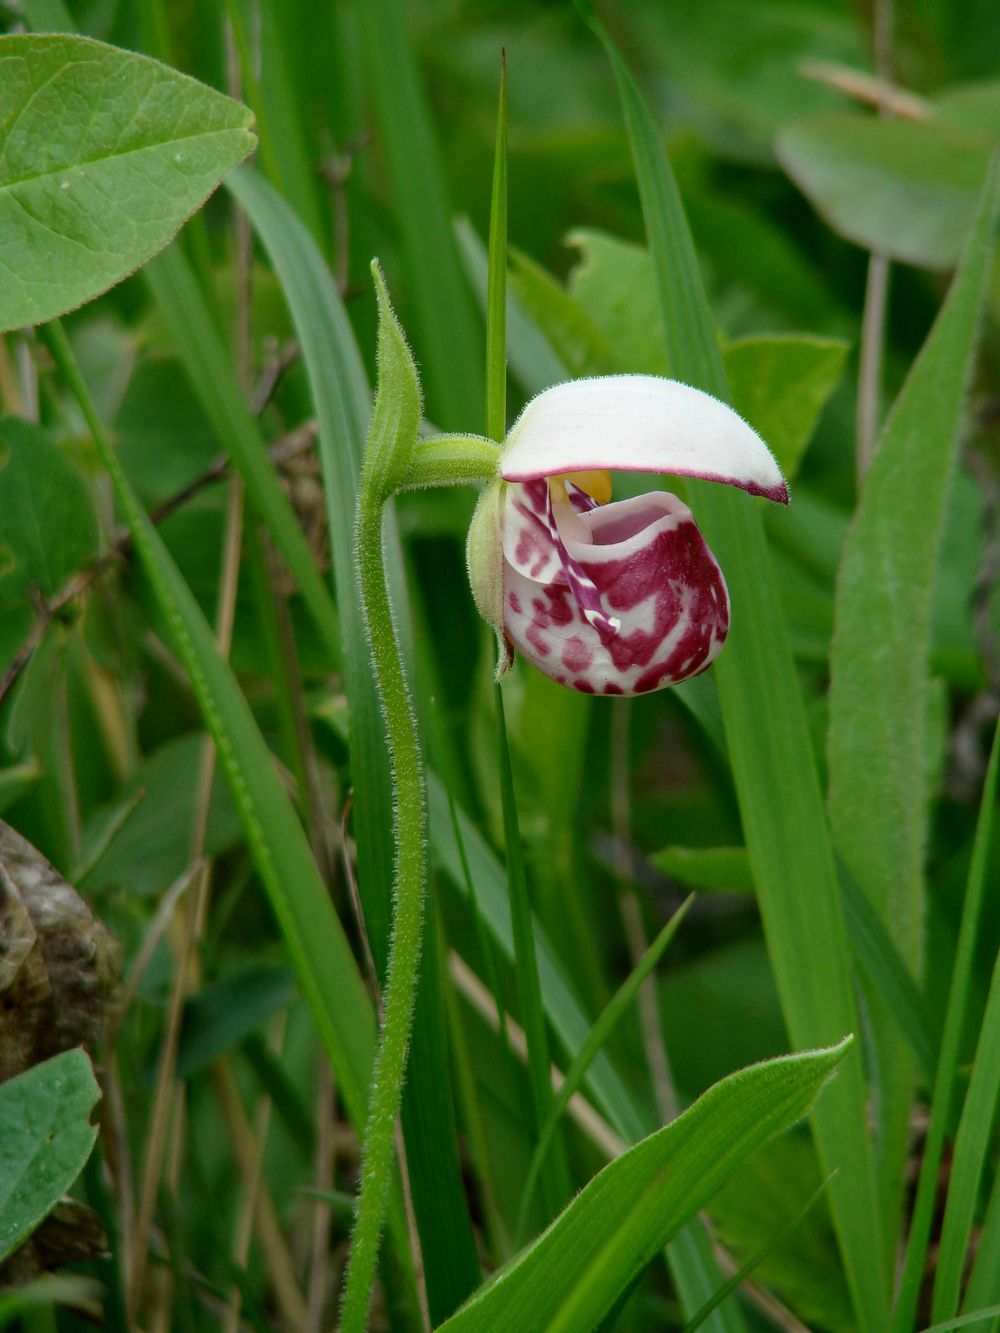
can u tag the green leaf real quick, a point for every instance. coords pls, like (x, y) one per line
(395, 424)
(781, 383)
(103, 154)
(571, 1276)
(615, 284)
(48, 527)
(45, 1139)
(768, 739)
(903, 187)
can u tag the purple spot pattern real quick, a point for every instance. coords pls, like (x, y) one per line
(659, 597)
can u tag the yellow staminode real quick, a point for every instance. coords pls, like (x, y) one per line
(597, 484)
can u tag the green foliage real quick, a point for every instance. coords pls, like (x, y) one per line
(46, 1136)
(857, 687)
(105, 153)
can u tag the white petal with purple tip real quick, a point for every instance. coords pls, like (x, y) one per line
(639, 423)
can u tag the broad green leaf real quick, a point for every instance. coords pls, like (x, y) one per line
(906, 188)
(768, 739)
(45, 1139)
(879, 672)
(578, 342)
(880, 685)
(571, 1276)
(781, 383)
(615, 284)
(343, 405)
(103, 154)
(48, 526)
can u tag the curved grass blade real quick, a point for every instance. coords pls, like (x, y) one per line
(614, 1011)
(343, 406)
(768, 739)
(571, 1276)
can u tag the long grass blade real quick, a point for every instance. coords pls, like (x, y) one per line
(769, 745)
(978, 1114)
(343, 405)
(447, 336)
(555, 1172)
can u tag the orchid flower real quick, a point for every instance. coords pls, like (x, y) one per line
(620, 598)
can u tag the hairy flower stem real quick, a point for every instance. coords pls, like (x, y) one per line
(404, 953)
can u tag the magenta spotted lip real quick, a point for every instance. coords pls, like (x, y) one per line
(619, 598)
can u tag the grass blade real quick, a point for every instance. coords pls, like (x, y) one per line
(555, 1177)
(343, 405)
(974, 1130)
(769, 745)
(755, 1259)
(614, 1011)
(447, 335)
